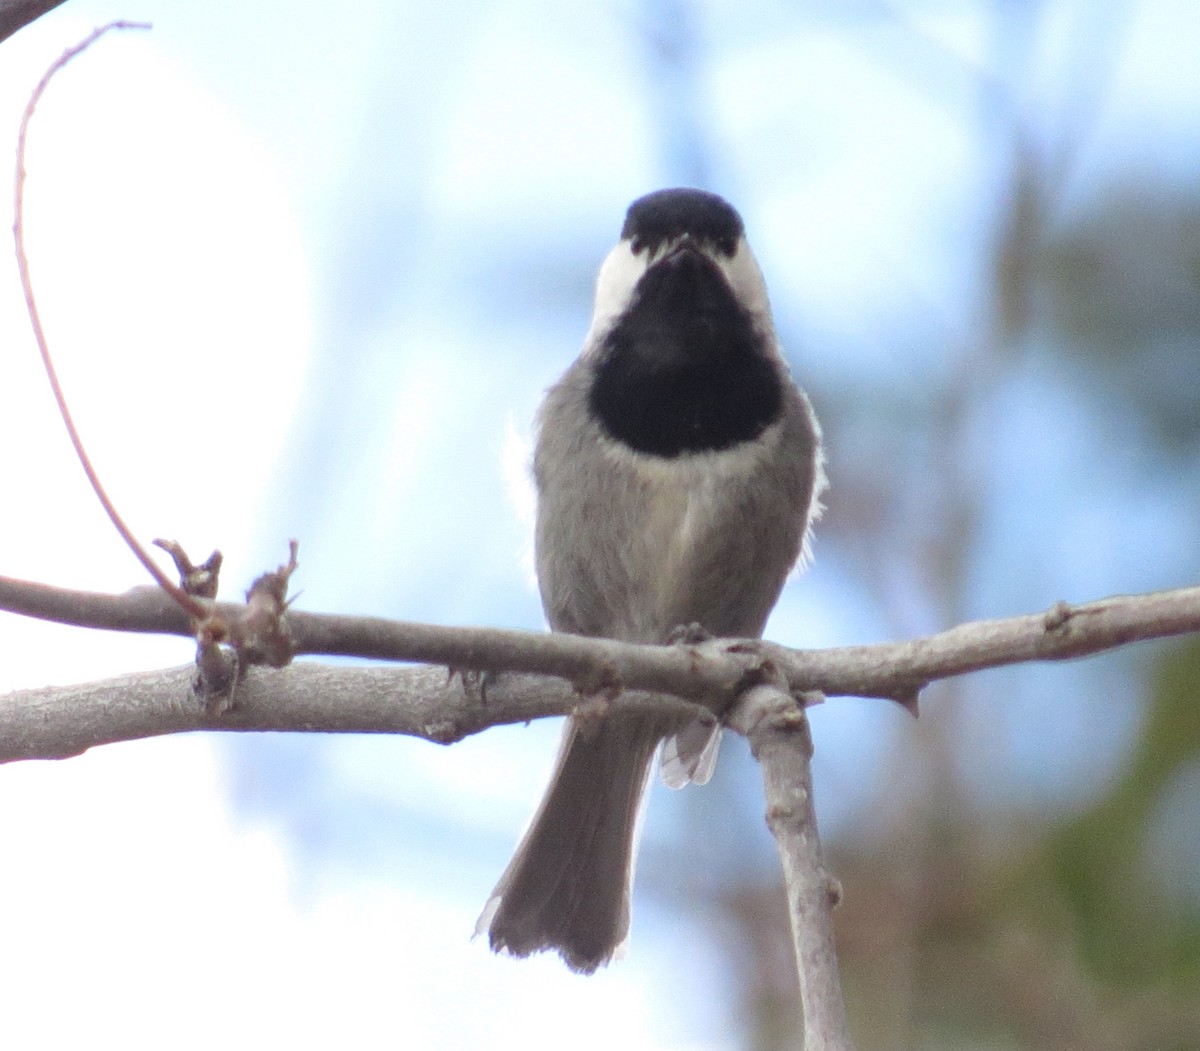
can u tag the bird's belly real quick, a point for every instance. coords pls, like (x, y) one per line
(682, 522)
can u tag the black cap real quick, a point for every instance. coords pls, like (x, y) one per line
(667, 214)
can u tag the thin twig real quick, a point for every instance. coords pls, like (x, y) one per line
(195, 608)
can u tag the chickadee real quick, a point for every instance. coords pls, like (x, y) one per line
(678, 470)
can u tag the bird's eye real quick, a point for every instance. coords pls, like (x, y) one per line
(637, 245)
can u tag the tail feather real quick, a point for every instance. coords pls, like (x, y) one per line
(567, 887)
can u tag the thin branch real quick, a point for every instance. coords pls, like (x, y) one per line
(778, 733)
(711, 674)
(16, 14)
(891, 670)
(58, 722)
(196, 608)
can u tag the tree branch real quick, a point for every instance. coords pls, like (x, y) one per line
(777, 730)
(57, 722)
(427, 703)
(16, 14)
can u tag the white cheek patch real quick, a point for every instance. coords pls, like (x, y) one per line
(746, 279)
(619, 275)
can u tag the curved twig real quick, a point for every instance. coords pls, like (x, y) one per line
(193, 606)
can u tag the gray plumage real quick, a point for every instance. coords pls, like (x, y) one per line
(634, 544)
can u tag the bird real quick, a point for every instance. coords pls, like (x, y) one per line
(678, 470)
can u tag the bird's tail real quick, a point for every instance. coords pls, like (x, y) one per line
(567, 887)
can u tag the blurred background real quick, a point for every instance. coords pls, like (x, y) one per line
(307, 272)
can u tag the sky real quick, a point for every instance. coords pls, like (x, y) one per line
(309, 278)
